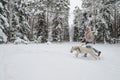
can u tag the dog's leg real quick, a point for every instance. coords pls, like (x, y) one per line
(77, 53)
(94, 55)
(85, 55)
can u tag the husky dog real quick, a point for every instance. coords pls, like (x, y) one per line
(83, 50)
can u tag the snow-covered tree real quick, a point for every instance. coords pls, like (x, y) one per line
(117, 5)
(99, 15)
(61, 20)
(78, 24)
(42, 28)
(4, 25)
(30, 20)
(18, 24)
(48, 12)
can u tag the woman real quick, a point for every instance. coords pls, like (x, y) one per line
(89, 39)
(88, 36)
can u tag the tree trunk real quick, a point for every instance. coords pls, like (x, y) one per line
(115, 25)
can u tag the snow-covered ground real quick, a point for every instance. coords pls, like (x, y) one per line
(54, 61)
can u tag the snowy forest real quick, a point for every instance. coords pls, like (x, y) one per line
(43, 21)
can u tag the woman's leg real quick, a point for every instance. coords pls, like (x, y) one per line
(99, 52)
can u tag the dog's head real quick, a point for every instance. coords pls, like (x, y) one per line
(73, 49)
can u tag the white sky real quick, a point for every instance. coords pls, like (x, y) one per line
(73, 4)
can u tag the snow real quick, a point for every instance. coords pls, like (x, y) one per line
(5, 20)
(38, 12)
(3, 36)
(118, 6)
(20, 41)
(55, 62)
(1, 6)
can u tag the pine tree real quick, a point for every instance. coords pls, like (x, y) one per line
(61, 20)
(17, 20)
(78, 27)
(42, 28)
(4, 25)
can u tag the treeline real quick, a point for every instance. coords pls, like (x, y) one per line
(35, 20)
